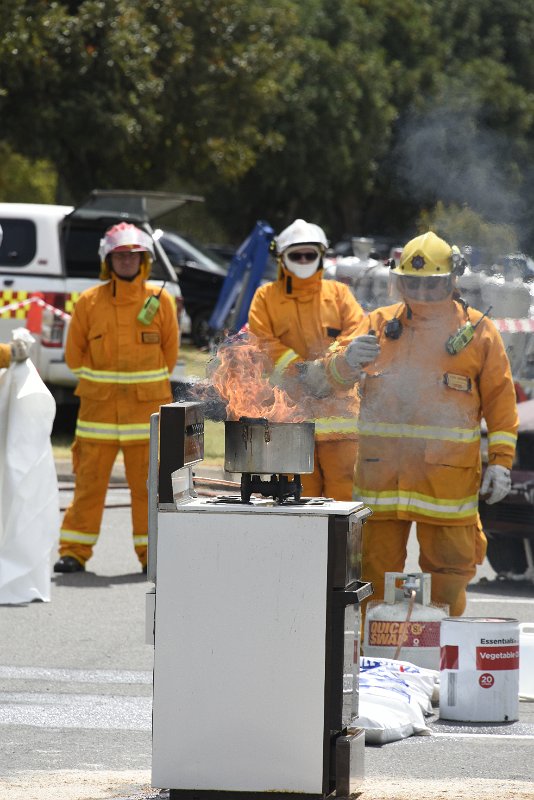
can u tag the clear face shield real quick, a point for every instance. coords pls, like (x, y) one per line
(430, 289)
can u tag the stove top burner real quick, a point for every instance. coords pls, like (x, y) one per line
(235, 499)
(280, 487)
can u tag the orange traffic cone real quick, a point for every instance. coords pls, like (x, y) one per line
(34, 320)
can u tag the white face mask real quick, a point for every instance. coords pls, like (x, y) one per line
(302, 269)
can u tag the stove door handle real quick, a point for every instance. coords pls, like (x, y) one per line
(353, 596)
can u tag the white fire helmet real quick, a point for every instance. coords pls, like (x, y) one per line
(125, 236)
(301, 232)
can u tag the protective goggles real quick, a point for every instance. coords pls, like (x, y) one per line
(302, 255)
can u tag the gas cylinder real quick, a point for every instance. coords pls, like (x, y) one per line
(406, 624)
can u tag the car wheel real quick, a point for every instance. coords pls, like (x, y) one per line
(200, 328)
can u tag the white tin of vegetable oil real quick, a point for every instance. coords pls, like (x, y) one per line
(479, 669)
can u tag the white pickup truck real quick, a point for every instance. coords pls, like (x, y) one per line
(53, 250)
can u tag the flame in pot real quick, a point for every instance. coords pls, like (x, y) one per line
(241, 378)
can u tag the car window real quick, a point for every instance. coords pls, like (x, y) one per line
(179, 249)
(176, 253)
(208, 252)
(19, 243)
(81, 252)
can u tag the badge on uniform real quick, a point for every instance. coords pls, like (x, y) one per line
(150, 337)
(459, 382)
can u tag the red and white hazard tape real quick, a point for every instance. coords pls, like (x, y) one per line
(40, 302)
(508, 325)
(514, 325)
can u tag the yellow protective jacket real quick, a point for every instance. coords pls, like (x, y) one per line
(300, 320)
(419, 425)
(5, 355)
(123, 366)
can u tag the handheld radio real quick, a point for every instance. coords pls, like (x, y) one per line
(150, 308)
(463, 335)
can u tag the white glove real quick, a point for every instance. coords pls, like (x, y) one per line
(496, 484)
(362, 350)
(313, 378)
(20, 350)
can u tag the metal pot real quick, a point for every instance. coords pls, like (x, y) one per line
(259, 447)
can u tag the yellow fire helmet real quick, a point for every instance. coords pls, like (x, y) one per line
(427, 255)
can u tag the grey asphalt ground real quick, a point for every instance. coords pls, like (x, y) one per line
(75, 693)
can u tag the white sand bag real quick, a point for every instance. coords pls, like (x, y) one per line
(395, 697)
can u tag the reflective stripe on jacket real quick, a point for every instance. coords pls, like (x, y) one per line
(421, 408)
(299, 321)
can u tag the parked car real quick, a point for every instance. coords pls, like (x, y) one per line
(53, 250)
(201, 270)
(201, 276)
(220, 252)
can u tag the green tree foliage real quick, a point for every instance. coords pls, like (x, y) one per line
(464, 227)
(354, 114)
(121, 93)
(469, 140)
(222, 65)
(80, 89)
(25, 181)
(333, 122)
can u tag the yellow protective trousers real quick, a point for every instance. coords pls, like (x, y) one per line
(333, 471)
(92, 463)
(449, 553)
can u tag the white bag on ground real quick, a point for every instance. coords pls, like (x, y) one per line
(394, 698)
(29, 511)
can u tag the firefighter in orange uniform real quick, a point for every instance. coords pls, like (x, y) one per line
(432, 368)
(298, 318)
(122, 344)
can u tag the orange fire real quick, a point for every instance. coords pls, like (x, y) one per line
(241, 379)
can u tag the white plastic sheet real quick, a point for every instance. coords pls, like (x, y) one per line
(29, 512)
(395, 697)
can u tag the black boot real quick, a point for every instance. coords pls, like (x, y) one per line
(68, 564)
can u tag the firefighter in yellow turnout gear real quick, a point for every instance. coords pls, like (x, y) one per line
(432, 368)
(298, 318)
(122, 344)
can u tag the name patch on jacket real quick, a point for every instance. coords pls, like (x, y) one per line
(150, 337)
(459, 382)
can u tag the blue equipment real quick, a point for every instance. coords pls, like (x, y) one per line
(244, 276)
